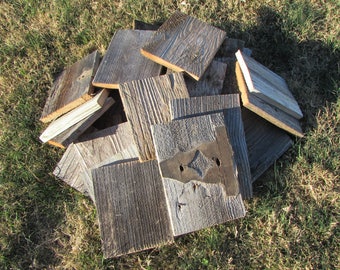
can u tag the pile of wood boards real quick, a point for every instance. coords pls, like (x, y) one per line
(156, 133)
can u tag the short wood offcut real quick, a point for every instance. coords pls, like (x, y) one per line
(71, 88)
(123, 61)
(181, 44)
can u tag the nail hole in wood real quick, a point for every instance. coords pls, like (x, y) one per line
(218, 163)
(181, 168)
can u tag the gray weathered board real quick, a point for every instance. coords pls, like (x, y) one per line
(230, 106)
(131, 207)
(123, 61)
(108, 145)
(267, 111)
(146, 102)
(265, 142)
(268, 86)
(199, 174)
(67, 137)
(181, 44)
(72, 88)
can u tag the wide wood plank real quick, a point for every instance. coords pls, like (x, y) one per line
(131, 207)
(267, 111)
(71, 88)
(197, 164)
(268, 86)
(230, 106)
(265, 142)
(73, 117)
(67, 137)
(123, 61)
(181, 44)
(146, 102)
(105, 146)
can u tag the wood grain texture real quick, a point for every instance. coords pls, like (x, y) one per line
(73, 117)
(268, 86)
(197, 164)
(71, 88)
(131, 208)
(265, 142)
(211, 83)
(123, 61)
(265, 110)
(67, 137)
(230, 106)
(181, 44)
(109, 145)
(146, 102)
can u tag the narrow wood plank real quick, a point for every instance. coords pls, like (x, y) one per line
(181, 44)
(140, 25)
(71, 88)
(123, 61)
(265, 142)
(230, 106)
(109, 145)
(146, 102)
(131, 208)
(67, 137)
(73, 117)
(265, 110)
(198, 168)
(268, 86)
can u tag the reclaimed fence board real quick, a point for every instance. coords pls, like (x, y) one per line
(131, 207)
(181, 44)
(71, 88)
(123, 61)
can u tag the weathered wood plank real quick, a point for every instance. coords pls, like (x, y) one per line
(140, 25)
(72, 88)
(146, 102)
(67, 137)
(269, 112)
(123, 61)
(230, 106)
(265, 142)
(268, 86)
(181, 44)
(199, 173)
(109, 145)
(73, 117)
(131, 207)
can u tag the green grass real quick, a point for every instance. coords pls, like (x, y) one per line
(293, 220)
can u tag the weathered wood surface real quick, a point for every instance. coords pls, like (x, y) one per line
(199, 173)
(265, 142)
(72, 88)
(73, 117)
(181, 44)
(123, 61)
(67, 137)
(146, 102)
(109, 145)
(211, 83)
(268, 86)
(140, 25)
(269, 112)
(230, 106)
(131, 207)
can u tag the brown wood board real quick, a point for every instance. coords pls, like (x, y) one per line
(265, 110)
(268, 86)
(131, 207)
(71, 88)
(230, 106)
(123, 61)
(265, 142)
(181, 44)
(67, 137)
(199, 174)
(146, 102)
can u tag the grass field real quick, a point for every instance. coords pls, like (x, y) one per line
(293, 220)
